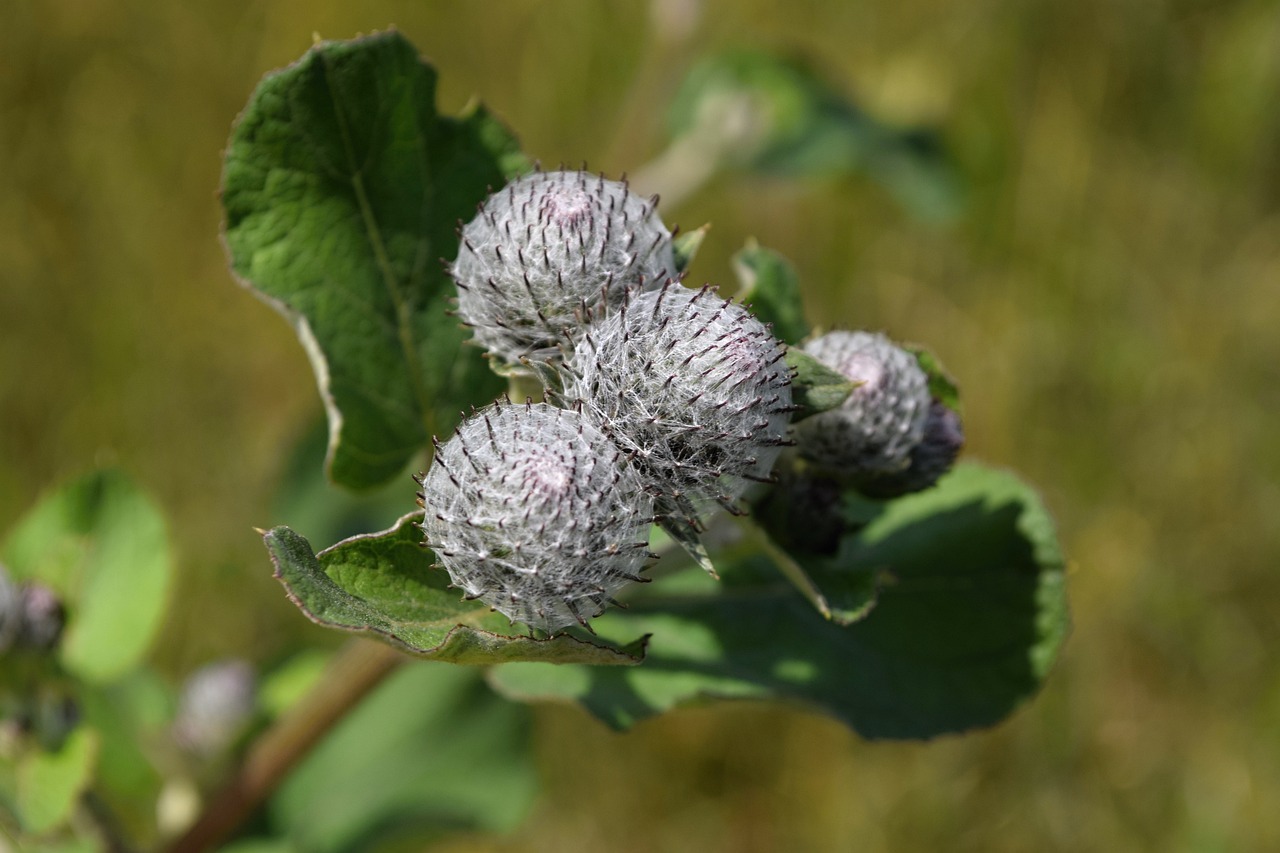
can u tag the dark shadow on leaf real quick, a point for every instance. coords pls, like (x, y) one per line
(956, 641)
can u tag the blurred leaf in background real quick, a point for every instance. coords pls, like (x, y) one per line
(101, 544)
(754, 111)
(432, 751)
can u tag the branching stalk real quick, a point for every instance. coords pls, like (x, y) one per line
(355, 671)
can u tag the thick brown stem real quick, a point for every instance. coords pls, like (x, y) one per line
(354, 672)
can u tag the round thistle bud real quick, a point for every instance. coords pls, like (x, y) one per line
(532, 510)
(550, 249)
(929, 460)
(883, 418)
(692, 387)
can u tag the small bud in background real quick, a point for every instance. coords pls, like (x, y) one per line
(10, 611)
(549, 248)
(217, 704)
(533, 511)
(31, 615)
(43, 617)
(884, 417)
(692, 387)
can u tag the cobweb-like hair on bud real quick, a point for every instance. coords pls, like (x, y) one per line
(693, 387)
(883, 419)
(549, 250)
(532, 510)
(935, 454)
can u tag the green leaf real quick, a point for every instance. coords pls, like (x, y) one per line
(768, 283)
(384, 585)
(805, 525)
(291, 681)
(130, 715)
(50, 783)
(101, 544)
(686, 246)
(342, 190)
(971, 615)
(431, 750)
(816, 387)
(941, 386)
(757, 112)
(838, 587)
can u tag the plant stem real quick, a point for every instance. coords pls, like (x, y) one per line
(354, 672)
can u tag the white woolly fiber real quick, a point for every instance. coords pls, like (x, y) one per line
(693, 387)
(884, 417)
(547, 251)
(532, 510)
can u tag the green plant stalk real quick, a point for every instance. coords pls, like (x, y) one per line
(357, 669)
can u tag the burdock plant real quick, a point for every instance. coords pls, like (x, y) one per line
(869, 579)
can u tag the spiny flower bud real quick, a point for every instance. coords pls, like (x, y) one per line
(548, 250)
(884, 417)
(692, 387)
(929, 460)
(532, 510)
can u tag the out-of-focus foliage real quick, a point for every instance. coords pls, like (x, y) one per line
(101, 545)
(752, 110)
(1108, 299)
(432, 751)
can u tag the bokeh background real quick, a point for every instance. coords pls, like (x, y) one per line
(1109, 302)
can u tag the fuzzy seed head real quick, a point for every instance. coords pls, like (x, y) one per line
(547, 252)
(692, 387)
(929, 460)
(532, 510)
(881, 421)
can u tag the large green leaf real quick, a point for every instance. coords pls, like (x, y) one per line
(970, 617)
(383, 584)
(100, 543)
(432, 750)
(342, 190)
(753, 111)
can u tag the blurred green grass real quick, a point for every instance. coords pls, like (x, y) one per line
(1109, 305)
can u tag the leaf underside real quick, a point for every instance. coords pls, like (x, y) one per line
(384, 585)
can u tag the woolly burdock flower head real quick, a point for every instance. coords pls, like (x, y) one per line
(692, 387)
(532, 510)
(548, 251)
(884, 417)
(929, 460)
